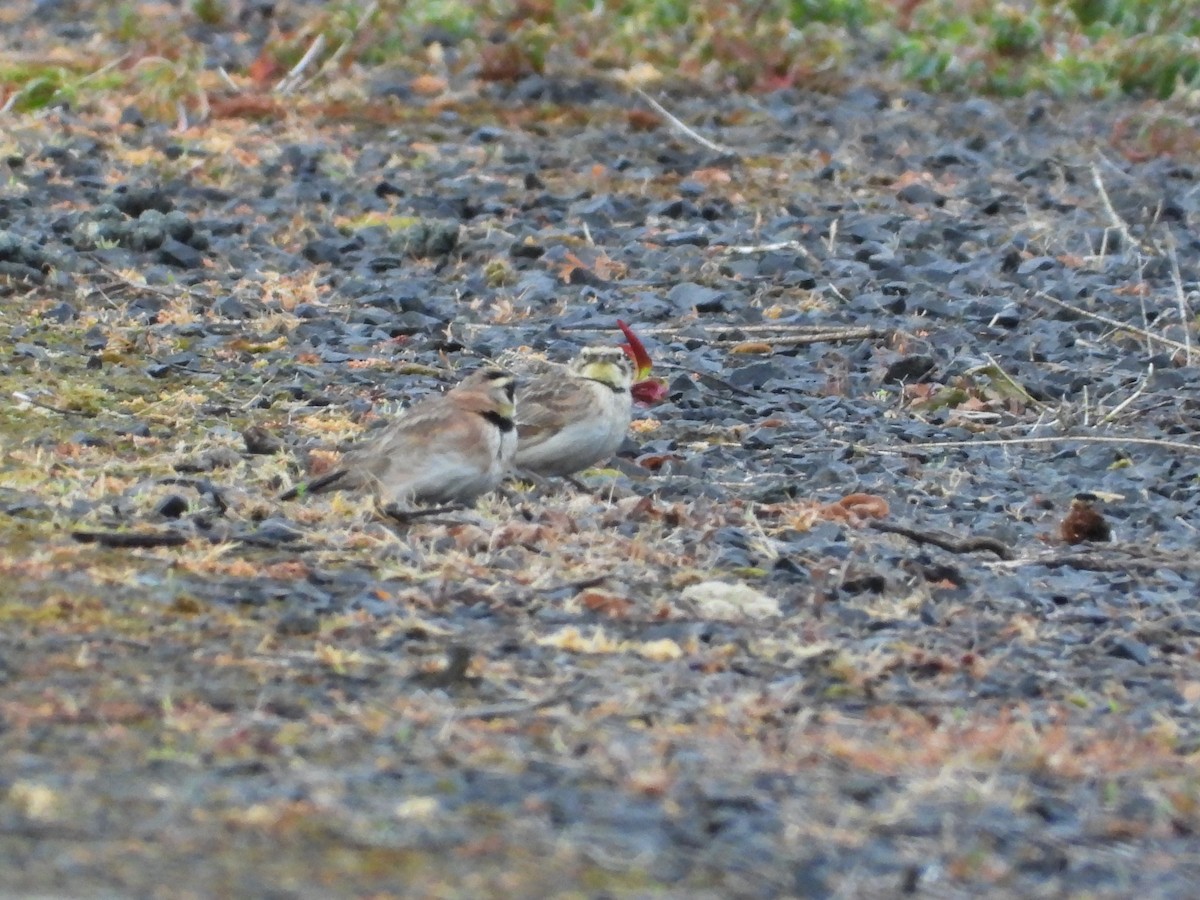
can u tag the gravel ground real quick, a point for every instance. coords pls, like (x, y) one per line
(815, 633)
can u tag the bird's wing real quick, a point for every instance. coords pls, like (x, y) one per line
(548, 404)
(400, 442)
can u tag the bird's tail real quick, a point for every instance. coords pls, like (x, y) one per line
(317, 485)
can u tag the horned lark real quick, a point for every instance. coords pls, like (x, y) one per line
(445, 449)
(569, 420)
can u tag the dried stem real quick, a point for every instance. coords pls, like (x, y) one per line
(1016, 442)
(1114, 323)
(1120, 407)
(291, 80)
(1117, 222)
(679, 126)
(1181, 304)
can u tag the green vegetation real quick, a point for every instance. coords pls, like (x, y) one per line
(1086, 48)
(1076, 48)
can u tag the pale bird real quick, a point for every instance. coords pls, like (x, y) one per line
(568, 420)
(449, 448)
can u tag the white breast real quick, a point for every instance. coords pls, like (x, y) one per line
(454, 475)
(584, 442)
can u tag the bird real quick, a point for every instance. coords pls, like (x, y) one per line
(568, 420)
(446, 449)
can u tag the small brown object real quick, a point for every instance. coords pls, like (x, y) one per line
(260, 441)
(643, 120)
(458, 660)
(1084, 522)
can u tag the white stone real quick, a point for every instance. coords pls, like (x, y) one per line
(730, 602)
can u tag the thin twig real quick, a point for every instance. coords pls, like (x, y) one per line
(947, 541)
(1180, 300)
(1016, 442)
(828, 336)
(698, 138)
(782, 334)
(1114, 323)
(291, 80)
(1117, 222)
(1119, 408)
(780, 328)
(1145, 317)
(336, 57)
(1110, 560)
(806, 334)
(228, 82)
(1025, 395)
(747, 249)
(204, 110)
(581, 584)
(23, 397)
(169, 293)
(511, 709)
(107, 67)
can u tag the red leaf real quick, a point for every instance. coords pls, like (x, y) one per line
(650, 391)
(636, 350)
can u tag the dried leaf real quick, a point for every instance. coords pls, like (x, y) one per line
(864, 506)
(428, 85)
(751, 347)
(663, 650)
(643, 120)
(606, 604)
